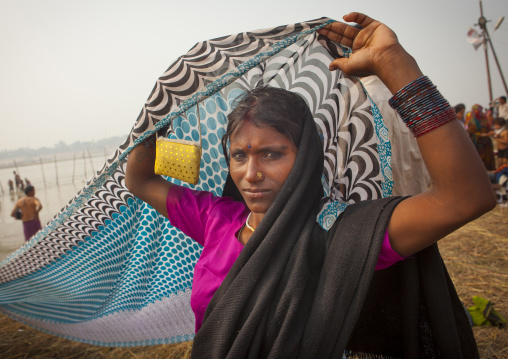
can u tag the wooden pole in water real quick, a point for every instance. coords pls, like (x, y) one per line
(73, 167)
(42, 170)
(84, 163)
(91, 163)
(2, 188)
(56, 171)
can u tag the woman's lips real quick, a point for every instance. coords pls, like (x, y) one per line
(256, 193)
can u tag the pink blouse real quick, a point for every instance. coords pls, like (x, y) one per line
(214, 223)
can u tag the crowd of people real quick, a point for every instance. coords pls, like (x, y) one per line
(488, 130)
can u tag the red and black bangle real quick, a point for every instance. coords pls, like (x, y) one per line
(421, 106)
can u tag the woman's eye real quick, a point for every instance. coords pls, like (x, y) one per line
(273, 155)
(238, 156)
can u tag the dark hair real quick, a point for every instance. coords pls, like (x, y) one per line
(283, 110)
(503, 98)
(499, 121)
(29, 189)
(459, 107)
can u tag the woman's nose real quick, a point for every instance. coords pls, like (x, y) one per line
(253, 169)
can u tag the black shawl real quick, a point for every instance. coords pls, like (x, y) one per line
(297, 291)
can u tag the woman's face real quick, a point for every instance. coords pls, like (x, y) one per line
(261, 160)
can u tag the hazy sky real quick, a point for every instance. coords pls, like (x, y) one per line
(82, 70)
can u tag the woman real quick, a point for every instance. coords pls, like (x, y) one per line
(479, 130)
(288, 288)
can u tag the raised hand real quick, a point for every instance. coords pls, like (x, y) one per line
(376, 51)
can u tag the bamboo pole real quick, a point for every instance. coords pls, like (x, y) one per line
(497, 62)
(482, 21)
(42, 170)
(91, 163)
(73, 167)
(84, 164)
(56, 171)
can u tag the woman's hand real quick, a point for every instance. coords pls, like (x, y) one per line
(376, 51)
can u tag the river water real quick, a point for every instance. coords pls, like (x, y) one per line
(55, 184)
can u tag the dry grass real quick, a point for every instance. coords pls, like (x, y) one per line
(17, 341)
(476, 257)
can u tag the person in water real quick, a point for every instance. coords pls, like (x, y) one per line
(30, 206)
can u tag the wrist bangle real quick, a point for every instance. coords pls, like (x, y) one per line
(421, 106)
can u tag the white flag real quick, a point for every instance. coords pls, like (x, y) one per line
(475, 38)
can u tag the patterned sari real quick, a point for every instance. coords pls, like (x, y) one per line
(108, 269)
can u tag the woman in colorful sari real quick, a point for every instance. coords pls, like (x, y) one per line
(479, 130)
(271, 282)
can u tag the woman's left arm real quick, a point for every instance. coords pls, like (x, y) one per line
(460, 192)
(461, 189)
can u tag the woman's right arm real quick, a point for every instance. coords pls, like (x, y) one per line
(141, 180)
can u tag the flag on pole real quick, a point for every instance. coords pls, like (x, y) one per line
(475, 38)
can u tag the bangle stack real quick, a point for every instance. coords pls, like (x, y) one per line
(422, 107)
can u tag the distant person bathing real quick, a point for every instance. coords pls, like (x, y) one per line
(19, 182)
(11, 185)
(30, 207)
